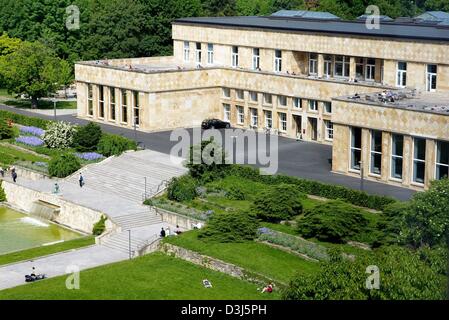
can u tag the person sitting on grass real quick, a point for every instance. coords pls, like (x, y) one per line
(268, 288)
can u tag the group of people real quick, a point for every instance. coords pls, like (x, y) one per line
(13, 173)
(167, 232)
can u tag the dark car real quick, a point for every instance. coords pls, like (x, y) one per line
(215, 124)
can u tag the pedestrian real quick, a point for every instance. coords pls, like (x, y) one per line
(12, 169)
(2, 172)
(14, 176)
(162, 233)
(81, 180)
(167, 232)
(56, 190)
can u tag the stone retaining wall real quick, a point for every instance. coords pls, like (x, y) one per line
(29, 174)
(184, 222)
(70, 214)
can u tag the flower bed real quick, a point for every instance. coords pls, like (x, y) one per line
(294, 243)
(89, 156)
(30, 141)
(34, 131)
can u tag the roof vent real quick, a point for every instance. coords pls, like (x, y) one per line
(305, 14)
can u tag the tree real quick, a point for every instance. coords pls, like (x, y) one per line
(32, 70)
(8, 45)
(86, 138)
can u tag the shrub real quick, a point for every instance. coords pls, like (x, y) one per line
(59, 135)
(333, 221)
(281, 202)
(182, 188)
(235, 193)
(87, 137)
(230, 227)
(207, 161)
(63, 165)
(114, 145)
(24, 120)
(2, 193)
(100, 226)
(6, 132)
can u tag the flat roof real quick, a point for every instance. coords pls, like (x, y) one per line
(430, 102)
(388, 29)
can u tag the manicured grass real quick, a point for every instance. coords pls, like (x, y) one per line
(11, 100)
(252, 256)
(46, 250)
(9, 155)
(152, 277)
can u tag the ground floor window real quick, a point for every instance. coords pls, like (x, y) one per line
(419, 159)
(226, 112)
(112, 103)
(442, 163)
(283, 121)
(356, 148)
(136, 108)
(397, 154)
(124, 106)
(376, 152)
(101, 102)
(254, 117)
(329, 128)
(268, 119)
(240, 115)
(90, 100)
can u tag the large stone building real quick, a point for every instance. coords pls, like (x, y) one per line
(379, 95)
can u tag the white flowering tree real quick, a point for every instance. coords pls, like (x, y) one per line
(59, 135)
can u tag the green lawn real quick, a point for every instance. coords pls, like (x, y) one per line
(9, 155)
(11, 100)
(252, 256)
(152, 277)
(46, 250)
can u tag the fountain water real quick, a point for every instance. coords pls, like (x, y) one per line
(44, 210)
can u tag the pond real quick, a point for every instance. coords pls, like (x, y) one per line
(19, 231)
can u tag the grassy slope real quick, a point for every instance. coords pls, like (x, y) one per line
(252, 256)
(155, 276)
(16, 155)
(46, 250)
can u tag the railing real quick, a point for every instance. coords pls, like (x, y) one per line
(140, 250)
(154, 192)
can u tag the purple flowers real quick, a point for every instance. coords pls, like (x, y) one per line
(38, 132)
(30, 141)
(89, 156)
(265, 230)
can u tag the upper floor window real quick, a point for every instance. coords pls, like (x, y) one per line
(341, 67)
(313, 63)
(327, 106)
(256, 59)
(239, 94)
(401, 76)
(329, 126)
(277, 60)
(210, 53)
(313, 105)
(235, 56)
(240, 114)
(431, 77)
(198, 52)
(268, 99)
(254, 117)
(226, 112)
(370, 69)
(282, 101)
(268, 119)
(186, 51)
(297, 103)
(253, 96)
(327, 71)
(226, 92)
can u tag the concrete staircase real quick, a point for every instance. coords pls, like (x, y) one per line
(120, 242)
(137, 220)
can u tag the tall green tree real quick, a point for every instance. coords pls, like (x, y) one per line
(33, 70)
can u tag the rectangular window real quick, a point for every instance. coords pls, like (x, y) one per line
(256, 59)
(376, 152)
(442, 163)
(313, 105)
(397, 155)
(360, 68)
(401, 76)
(267, 98)
(124, 106)
(239, 94)
(90, 100)
(327, 72)
(431, 77)
(254, 117)
(210, 53)
(226, 112)
(186, 51)
(235, 56)
(240, 115)
(136, 108)
(226, 92)
(370, 69)
(419, 159)
(283, 121)
(268, 119)
(277, 60)
(341, 66)
(329, 128)
(327, 106)
(297, 103)
(282, 101)
(313, 64)
(101, 102)
(356, 148)
(253, 96)
(112, 103)
(198, 52)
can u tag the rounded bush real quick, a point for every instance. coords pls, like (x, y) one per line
(332, 221)
(114, 145)
(230, 226)
(87, 137)
(235, 193)
(6, 132)
(182, 189)
(280, 202)
(63, 165)
(59, 135)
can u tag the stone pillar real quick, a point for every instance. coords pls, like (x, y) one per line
(430, 162)
(366, 151)
(378, 72)
(95, 100)
(81, 99)
(320, 65)
(407, 161)
(352, 67)
(386, 155)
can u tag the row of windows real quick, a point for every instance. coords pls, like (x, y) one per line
(282, 100)
(431, 75)
(112, 103)
(397, 155)
(268, 119)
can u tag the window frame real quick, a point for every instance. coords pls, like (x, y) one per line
(437, 159)
(313, 64)
(226, 112)
(401, 75)
(375, 153)
(235, 56)
(186, 51)
(277, 60)
(240, 114)
(417, 160)
(112, 103)
(268, 120)
(433, 78)
(210, 53)
(256, 59)
(329, 130)
(395, 157)
(354, 149)
(254, 117)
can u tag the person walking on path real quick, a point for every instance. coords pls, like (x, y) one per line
(2, 172)
(14, 176)
(81, 180)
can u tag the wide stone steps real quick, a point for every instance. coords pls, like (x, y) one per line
(137, 220)
(120, 241)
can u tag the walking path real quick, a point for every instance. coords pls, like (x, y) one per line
(115, 187)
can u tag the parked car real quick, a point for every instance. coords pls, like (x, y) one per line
(215, 124)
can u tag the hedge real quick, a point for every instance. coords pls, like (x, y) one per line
(24, 120)
(329, 191)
